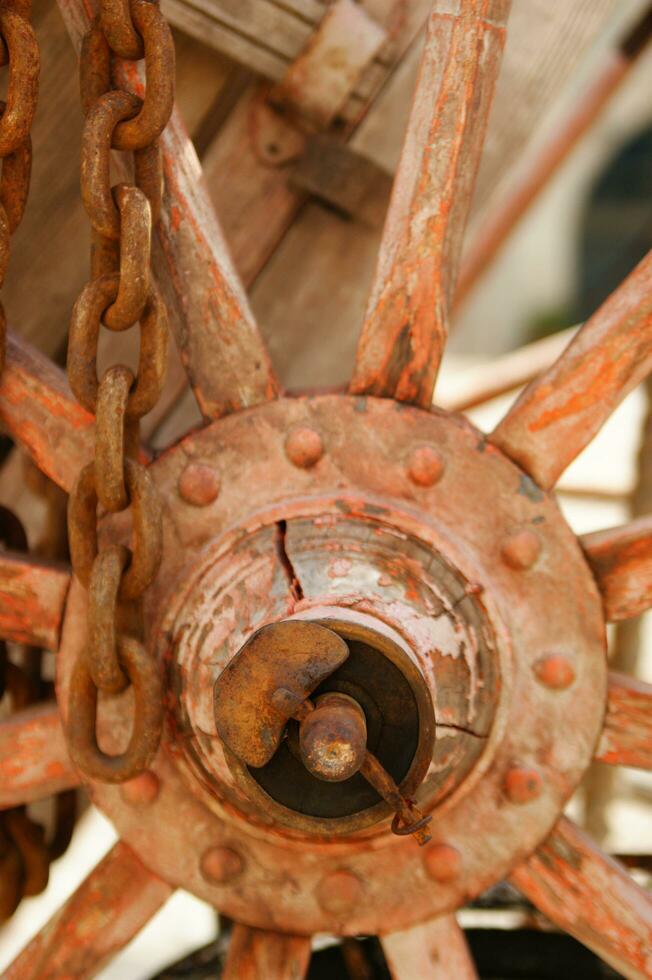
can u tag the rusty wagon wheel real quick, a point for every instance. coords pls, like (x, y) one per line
(367, 627)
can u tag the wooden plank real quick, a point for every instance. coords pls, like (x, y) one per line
(621, 560)
(436, 950)
(39, 411)
(254, 954)
(108, 909)
(559, 413)
(34, 760)
(406, 322)
(32, 600)
(592, 897)
(627, 735)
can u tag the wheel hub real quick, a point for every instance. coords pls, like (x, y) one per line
(437, 563)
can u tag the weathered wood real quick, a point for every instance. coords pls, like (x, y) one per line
(254, 954)
(224, 356)
(480, 383)
(32, 600)
(621, 560)
(108, 909)
(627, 735)
(436, 950)
(39, 411)
(34, 760)
(590, 896)
(320, 80)
(559, 413)
(406, 323)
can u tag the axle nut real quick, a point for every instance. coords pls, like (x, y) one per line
(521, 550)
(425, 466)
(141, 790)
(199, 484)
(554, 671)
(442, 862)
(339, 892)
(220, 865)
(333, 738)
(522, 785)
(304, 447)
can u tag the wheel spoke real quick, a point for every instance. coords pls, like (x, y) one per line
(34, 760)
(560, 412)
(627, 734)
(621, 560)
(406, 322)
(436, 950)
(224, 355)
(39, 412)
(255, 953)
(590, 896)
(32, 600)
(113, 904)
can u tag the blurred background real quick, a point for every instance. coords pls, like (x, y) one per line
(302, 214)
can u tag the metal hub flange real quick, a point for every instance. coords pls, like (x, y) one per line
(376, 514)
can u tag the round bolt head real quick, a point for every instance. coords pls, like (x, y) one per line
(199, 484)
(521, 549)
(442, 862)
(522, 785)
(425, 466)
(554, 671)
(333, 738)
(304, 447)
(339, 892)
(219, 865)
(141, 790)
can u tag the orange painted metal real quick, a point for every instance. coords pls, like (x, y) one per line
(39, 411)
(561, 411)
(223, 353)
(108, 909)
(627, 736)
(254, 954)
(592, 897)
(621, 560)
(34, 760)
(32, 600)
(436, 950)
(406, 322)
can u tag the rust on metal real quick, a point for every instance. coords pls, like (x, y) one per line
(34, 759)
(291, 656)
(333, 737)
(254, 953)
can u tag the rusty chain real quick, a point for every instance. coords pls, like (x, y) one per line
(19, 52)
(120, 294)
(25, 854)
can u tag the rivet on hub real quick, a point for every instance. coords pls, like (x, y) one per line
(199, 484)
(522, 784)
(425, 466)
(554, 671)
(141, 790)
(219, 865)
(521, 549)
(339, 892)
(442, 862)
(304, 447)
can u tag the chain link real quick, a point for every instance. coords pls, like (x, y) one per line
(19, 51)
(120, 294)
